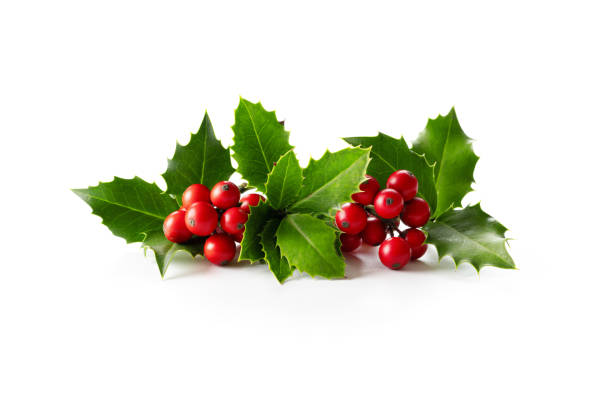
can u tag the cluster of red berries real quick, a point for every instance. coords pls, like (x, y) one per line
(219, 214)
(376, 213)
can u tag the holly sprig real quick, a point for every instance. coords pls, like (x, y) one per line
(290, 230)
(443, 160)
(293, 229)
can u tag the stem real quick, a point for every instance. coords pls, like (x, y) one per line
(243, 187)
(389, 224)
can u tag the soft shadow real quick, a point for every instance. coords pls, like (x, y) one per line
(186, 266)
(364, 262)
(354, 266)
(360, 263)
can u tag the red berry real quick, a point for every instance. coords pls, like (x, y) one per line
(394, 253)
(388, 203)
(416, 213)
(350, 242)
(404, 182)
(224, 195)
(368, 188)
(250, 200)
(414, 237)
(418, 252)
(374, 233)
(195, 193)
(351, 218)
(219, 249)
(201, 219)
(238, 237)
(174, 227)
(233, 220)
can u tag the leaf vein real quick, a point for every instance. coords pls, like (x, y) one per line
(309, 241)
(441, 223)
(263, 153)
(126, 206)
(318, 190)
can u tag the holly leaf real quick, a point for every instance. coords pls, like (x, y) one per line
(330, 181)
(130, 208)
(390, 154)
(470, 235)
(250, 247)
(309, 244)
(444, 142)
(277, 263)
(259, 141)
(203, 160)
(165, 250)
(284, 181)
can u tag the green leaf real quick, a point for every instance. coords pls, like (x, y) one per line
(250, 247)
(130, 208)
(277, 263)
(470, 235)
(284, 181)
(203, 160)
(390, 154)
(444, 142)
(309, 244)
(330, 181)
(259, 141)
(165, 250)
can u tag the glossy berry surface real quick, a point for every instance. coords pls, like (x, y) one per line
(175, 229)
(388, 203)
(374, 233)
(224, 195)
(219, 249)
(418, 252)
(233, 220)
(201, 219)
(405, 183)
(351, 218)
(194, 194)
(394, 253)
(414, 237)
(350, 242)
(368, 188)
(238, 237)
(250, 200)
(416, 213)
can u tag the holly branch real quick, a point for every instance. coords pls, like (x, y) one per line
(293, 228)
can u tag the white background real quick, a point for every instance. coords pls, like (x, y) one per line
(90, 90)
